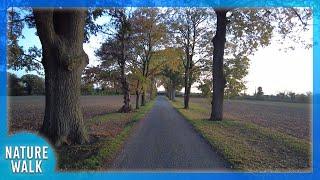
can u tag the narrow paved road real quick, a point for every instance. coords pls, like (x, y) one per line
(165, 140)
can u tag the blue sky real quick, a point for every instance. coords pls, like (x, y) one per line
(275, 71)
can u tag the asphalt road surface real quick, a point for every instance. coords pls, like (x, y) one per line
(164, 140)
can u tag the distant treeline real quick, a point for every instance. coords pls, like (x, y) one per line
(281, 97)
(259, 95)
(28, 84)
(88, 89)
(31, 84)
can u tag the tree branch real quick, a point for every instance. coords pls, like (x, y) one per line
(300, 18)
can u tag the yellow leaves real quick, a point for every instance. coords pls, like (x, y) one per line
(170, 57)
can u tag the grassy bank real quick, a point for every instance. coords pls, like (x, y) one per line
(247, 146)
(108, 134)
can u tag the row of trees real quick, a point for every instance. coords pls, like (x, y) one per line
(144, 47)
(128, 54)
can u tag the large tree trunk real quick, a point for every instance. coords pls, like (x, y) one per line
(152, 89)
(137, 99)
(137, 95)
(126, 96)
(61, 33)
(124, 83)
(173, 94)
(217, 69)
(169, 92)
(125, 90)
(186, 87)
(143, 98)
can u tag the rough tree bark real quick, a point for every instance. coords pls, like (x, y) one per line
(152, 89)
(124, 82)
(143, 98)
(188, 83)
(217, 69)
(137, 95)
(186, 87)
(61, 33)
(173, 94)
(145, 74)
(187, 73)
(169, 94)
(126, 92)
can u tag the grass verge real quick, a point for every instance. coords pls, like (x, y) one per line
(247, 146)
(108, 134)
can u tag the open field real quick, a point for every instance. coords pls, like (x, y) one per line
(107, 129)
(26, 112)
(247, 144)
(289, 118)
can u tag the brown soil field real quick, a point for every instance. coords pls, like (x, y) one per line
(290, 118)
(25, 113)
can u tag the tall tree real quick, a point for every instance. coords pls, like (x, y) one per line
(250, 28)
(115, 52)
(149, 34)
(189, 32)
(61, 33)
(219, 80)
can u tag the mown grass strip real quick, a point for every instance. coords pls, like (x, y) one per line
(103, 151)
(247, 146)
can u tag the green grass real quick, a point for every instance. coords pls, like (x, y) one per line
(247, 146)
(100, 154)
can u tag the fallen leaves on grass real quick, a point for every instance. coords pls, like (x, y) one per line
(108, 134)
(25, 113)
(289, 118)
(250, 146)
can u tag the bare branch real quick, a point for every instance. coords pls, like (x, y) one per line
(300, 18)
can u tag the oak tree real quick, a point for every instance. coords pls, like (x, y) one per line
(115, 52)
(189, 30)
(149, 33)
(61, 33)
(250, 29)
